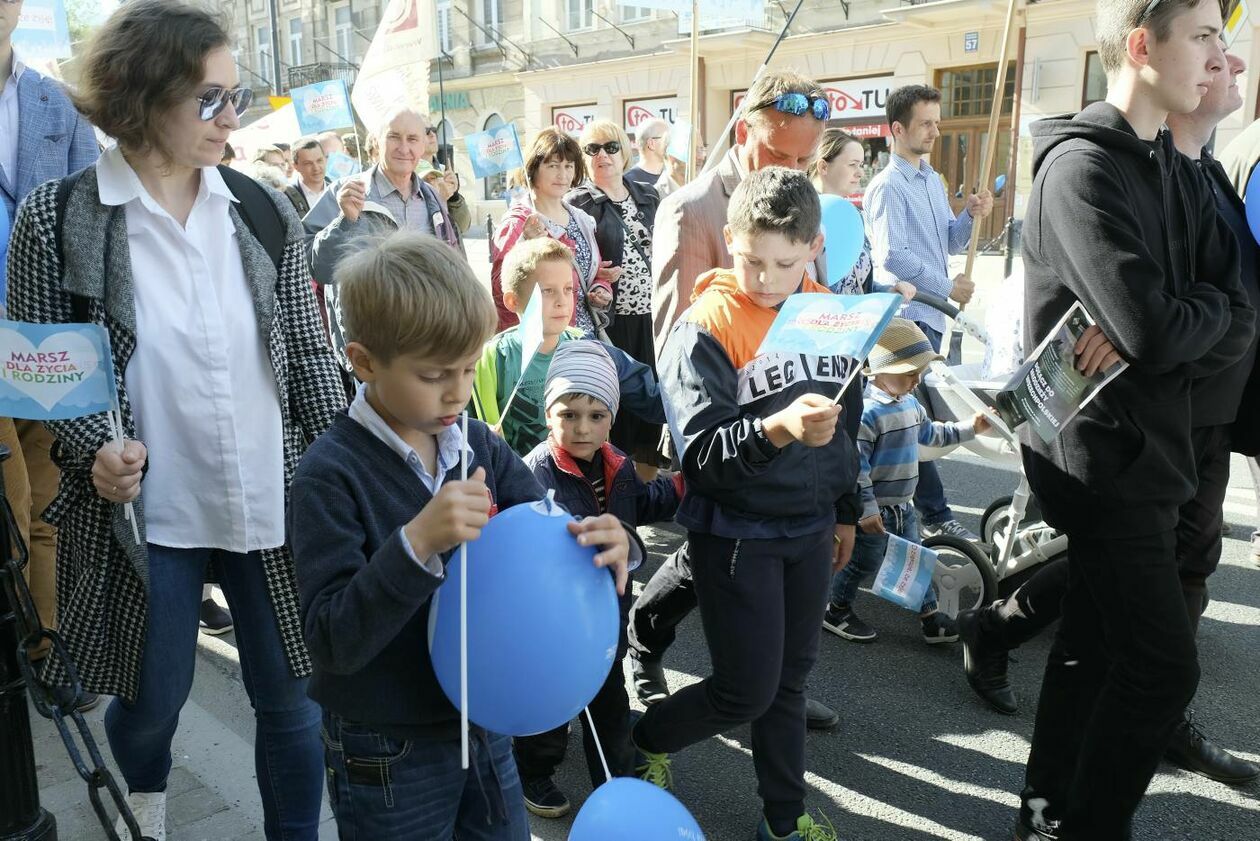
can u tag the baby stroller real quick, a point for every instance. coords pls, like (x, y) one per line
(1015, 541)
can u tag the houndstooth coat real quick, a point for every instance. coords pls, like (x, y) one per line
(102, 576)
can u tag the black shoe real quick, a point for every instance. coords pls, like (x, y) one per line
(1191, 750)
(985, 665)
(1033, 824)
(88, 701)
(649, 679)
(544, 799)
(819, 716)
(844, 623)
(215, 620)
(938, 628)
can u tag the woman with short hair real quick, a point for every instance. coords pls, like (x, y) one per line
(198, 275)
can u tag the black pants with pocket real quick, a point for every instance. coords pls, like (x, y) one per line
(761, 604)
(665, 601)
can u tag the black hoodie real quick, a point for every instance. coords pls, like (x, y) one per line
(1129, 229)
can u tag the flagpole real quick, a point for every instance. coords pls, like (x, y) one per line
(715, 151)
(692, 144)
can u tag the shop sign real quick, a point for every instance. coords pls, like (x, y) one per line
(852, 98)
(572, 118)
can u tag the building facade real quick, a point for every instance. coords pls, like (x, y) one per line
(565, 62)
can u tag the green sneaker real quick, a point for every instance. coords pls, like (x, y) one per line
(806, 830)
(654, 768)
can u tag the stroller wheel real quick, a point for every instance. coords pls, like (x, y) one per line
(964, 578)
(997, 515)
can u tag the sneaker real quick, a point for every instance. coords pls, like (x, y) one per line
(844, 623)
(938, 628)
(215, 620)
(953, 528)
(654, 768)
(806, 830)
(1191, 750)
(1033, 823)
(149, 810)
(649, 679)
(544, 799)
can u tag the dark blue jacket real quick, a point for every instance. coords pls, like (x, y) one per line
(629, 498)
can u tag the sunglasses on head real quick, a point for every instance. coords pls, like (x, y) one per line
(612, 147)
(213, 101)
(1150, 8)
(797, 104)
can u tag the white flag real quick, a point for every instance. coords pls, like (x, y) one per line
(395, 71)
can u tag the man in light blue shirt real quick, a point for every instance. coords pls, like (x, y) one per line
(913, 232)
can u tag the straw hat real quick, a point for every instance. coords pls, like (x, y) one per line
(902, 349)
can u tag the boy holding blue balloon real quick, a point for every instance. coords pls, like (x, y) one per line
(382, 508)
(590, 477)
(772, 498)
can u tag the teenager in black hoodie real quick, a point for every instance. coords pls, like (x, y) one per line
(1119, 221)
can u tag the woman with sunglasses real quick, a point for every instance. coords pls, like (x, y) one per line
(624, 211)
(222, 375)
(838, 170)
(553, 167)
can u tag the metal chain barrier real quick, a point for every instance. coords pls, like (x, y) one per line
(22, 636)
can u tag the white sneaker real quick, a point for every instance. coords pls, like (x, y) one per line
(149, 809)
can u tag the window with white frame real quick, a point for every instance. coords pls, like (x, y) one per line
(579, 14)
(295, 41)
(262, 51)
(630, 14)
(491, 17)
(343, 32)
(444, 25)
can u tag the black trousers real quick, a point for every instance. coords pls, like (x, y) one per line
(539, 756)
(761, 603)
(665, 601)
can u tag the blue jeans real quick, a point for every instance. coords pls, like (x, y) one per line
(415, 790)
(868, 554)
(929, 496)
(287, 756)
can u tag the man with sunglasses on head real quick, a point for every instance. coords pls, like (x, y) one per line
(1122, 223)
(652, 139)
(913, 231)
(782, 125)
(41, 137)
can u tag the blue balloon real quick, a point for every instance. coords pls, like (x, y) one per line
(629, 809)
(1252, 200)
(542, 623)
(845, 236)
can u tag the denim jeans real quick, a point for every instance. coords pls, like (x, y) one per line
(286, 745)
(415, 790)
(868, 554)
(929, 496)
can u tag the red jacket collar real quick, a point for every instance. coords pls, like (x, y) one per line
(613, 460)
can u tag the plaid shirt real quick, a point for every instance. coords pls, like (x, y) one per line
(913, 232)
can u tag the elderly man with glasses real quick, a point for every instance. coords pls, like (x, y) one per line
(652, 139)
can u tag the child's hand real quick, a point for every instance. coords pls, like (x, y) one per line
(873, 524)
(846, 539)
(599, 297)
(810, 419)
(606, 532)
(455, 515)
(981, 423)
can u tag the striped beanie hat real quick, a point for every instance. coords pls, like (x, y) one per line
(583, 367)
(901, 349)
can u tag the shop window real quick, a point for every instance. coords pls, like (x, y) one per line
(496, 185)
(1095, 80)
(968, 91)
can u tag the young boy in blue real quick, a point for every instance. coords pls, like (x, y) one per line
(590, 477)
(894, 424)
(377, 507)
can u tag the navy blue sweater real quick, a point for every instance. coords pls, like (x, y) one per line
(365, 602)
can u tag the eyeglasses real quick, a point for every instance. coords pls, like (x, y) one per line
(612, 147)
(431, 131)
(213, 101)
(797, 104)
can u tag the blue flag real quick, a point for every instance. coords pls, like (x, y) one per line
(494, 151)
(906, 573)
(55, 371)
(823, 324)
(323, 106)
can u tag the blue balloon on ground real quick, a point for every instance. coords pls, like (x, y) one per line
(542, 623)
(1252, 199)
(629, 809)
(845, 236)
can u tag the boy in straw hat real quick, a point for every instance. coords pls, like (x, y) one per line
(893, 426)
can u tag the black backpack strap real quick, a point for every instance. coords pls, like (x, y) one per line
(258, 212)
(80, 305)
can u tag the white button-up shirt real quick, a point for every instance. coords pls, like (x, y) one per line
(200, 381)
(312, 196)
(9, 121)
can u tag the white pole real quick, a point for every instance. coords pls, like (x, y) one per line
(463, 615)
